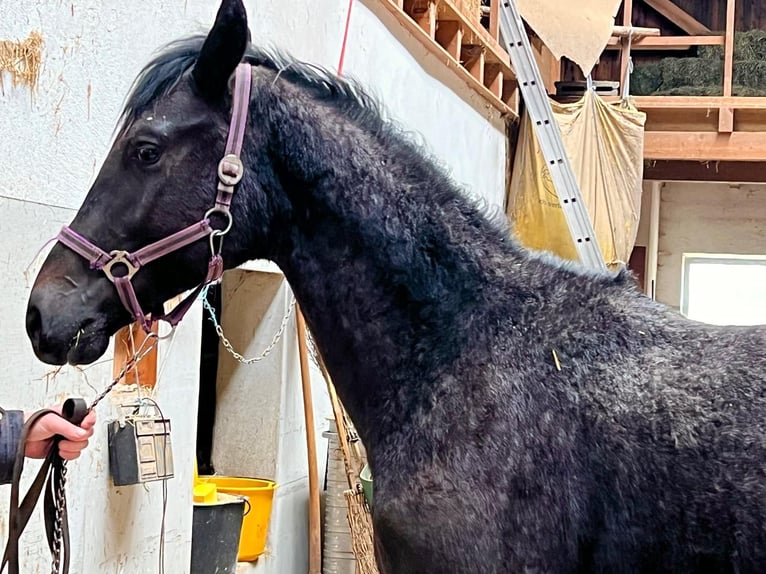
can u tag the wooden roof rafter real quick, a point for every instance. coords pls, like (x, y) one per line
(679, 17)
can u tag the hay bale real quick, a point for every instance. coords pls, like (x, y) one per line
(645, 80)
(690, 91)
(750, 74)
(710, 52)
(747, 92)
(750, 45)
(680, 72)
(703, 75)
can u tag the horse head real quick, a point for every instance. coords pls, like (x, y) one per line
(158, 178)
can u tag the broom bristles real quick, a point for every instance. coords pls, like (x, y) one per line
(360, 522)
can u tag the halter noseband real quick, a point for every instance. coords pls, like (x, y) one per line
(230, 171)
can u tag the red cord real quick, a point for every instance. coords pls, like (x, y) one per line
(345, 38)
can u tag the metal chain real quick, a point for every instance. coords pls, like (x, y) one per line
(227, 344)
(59, 504)
(138, 356)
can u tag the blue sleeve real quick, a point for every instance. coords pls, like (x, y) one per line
(11, 423)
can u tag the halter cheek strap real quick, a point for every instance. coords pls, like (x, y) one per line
(230, 172)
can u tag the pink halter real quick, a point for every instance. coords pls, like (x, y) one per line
(230, 171)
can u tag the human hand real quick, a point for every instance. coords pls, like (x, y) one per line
(74, 440)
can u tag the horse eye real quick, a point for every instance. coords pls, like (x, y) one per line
(147, 154)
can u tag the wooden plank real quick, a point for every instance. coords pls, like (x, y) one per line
(511, 92)
(549, 66)
(726, 120)
(627, 20)
(449, 35)
(728, 52)
(494, 19)
(126, 341)
(679, 17)
(726, 115)
(724, 171)
(696, 102)
(636, 31)
(668, 42)
(493, 79)
(315, 519)
(424, 13)
(705, 146)
(475, 33)
(443, 57)
(474, 61)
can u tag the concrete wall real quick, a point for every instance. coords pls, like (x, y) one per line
(51, 147)
(706, 218)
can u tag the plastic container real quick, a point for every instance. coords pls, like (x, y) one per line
(255, 526)
(216, 528)
(365, 477)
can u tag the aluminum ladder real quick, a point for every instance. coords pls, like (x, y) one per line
(540, 112)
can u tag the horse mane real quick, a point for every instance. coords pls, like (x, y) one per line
(165, 69)
(163, 72)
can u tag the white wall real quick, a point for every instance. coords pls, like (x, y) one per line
(468, 138)
(706, 218)
(52, 145)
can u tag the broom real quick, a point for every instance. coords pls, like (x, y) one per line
(359, 518)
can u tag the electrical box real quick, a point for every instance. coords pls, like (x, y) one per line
(140, 449)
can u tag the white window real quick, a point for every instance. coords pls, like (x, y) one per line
(724, 289)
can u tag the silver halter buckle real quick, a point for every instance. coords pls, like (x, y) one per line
(119, 257)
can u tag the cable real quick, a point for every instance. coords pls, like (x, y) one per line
(345, 38)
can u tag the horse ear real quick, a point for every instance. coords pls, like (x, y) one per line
(222, 50)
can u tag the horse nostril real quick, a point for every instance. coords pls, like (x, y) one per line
(34, 324)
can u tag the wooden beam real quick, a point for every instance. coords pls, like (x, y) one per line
(705, 146)
(127, 341)
(493, 79)
(722, 171)
(726, 114)
(653, 249)
(636, 31)
(415, 33)
(679, 17)
(315, 519)
(494, 19)
(424, 13)
(668, 42)
(473, 60)
(475, 33)
(627, 21)
(449, 35)
(695, 102)
(549, 66)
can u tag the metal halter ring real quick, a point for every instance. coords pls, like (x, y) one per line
(230, 169)
(119, 257)
(225, 213)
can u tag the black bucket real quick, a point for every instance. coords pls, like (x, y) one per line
(216, 528)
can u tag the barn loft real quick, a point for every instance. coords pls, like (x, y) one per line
(661, 109)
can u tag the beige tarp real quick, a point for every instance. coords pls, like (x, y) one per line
(605, 144)
(577, 29)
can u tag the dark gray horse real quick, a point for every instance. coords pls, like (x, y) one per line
(521, 414)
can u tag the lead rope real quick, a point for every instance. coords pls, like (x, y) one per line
(52, 478)
(60, 500)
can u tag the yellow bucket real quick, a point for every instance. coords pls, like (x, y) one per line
(255, 526)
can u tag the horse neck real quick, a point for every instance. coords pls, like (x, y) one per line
(385, 258)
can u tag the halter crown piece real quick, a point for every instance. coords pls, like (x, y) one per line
(230, 171)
